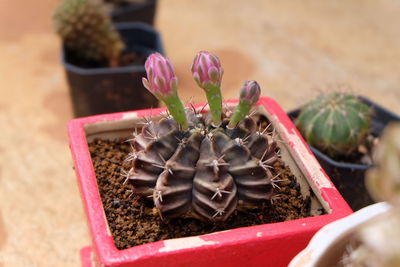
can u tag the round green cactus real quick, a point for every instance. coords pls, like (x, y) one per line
(86, 29)
(336, 123)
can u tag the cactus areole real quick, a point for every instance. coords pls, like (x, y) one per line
(193, 165)
(336, 123)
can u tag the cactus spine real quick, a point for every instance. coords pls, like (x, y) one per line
(86, 30)
(201, 170)
(335, 123)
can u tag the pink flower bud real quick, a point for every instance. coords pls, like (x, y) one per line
(250, 92)
(161, 80)
(207, 70)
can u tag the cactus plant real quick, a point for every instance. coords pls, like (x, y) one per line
(195, 165)
(377, 242)
(336, 123)
(163, 84)
(86, 30)
(383, 181)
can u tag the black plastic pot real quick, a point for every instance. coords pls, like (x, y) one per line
(135, 12)
(106, 90)
(347, 177)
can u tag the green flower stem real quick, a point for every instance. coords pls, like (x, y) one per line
(177, 110)
(214, 99)
(241, 111)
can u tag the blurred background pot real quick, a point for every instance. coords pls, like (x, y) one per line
(134, 11)
(349, 177)
(105, 89)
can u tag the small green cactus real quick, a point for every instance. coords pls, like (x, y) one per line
(198, 166)
(336, 123)
(86, 29)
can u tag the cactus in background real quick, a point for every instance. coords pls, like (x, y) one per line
(377, 242)
(336, 123)
(383, 181)
(86, 29)
(191, 167)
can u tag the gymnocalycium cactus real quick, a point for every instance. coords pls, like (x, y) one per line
(336, 123)
(198, 164)
(86, 29)
(377, 242)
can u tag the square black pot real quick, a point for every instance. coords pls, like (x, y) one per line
(348, 177)
(107, 90)
(135, 12)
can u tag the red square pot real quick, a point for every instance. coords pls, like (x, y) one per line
(263, 245)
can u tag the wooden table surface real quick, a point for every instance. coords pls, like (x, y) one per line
(295, 49)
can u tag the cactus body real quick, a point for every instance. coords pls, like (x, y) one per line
(214, 190)
(204, 171)
(86, 30)
(335, 123)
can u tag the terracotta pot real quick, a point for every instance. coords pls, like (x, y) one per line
(104, 90)
(329, 243)
(349, 177)
(263, 245)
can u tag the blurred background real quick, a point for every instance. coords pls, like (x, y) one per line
(294, 49)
